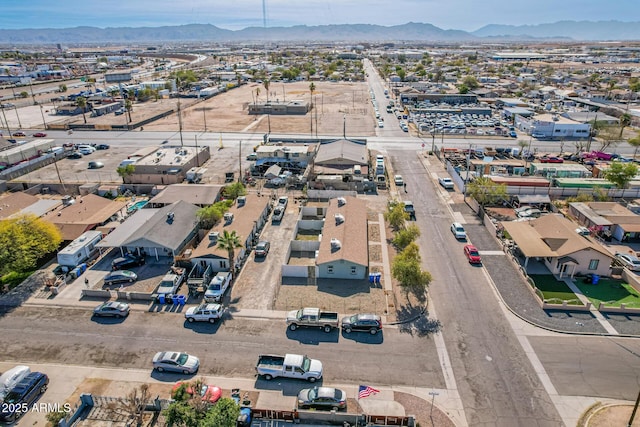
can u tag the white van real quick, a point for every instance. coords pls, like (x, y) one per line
(9, 379)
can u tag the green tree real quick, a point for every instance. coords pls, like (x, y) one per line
(24, 240)
(24, 94)
(462, 89)
(406, 236)
(125, 172)
(81, 102)
(229, 241)
(620, 173)
(396, 215)
(62, 88)
(224, 414)
(209, 215)
(233, 191)
(128, 106)
(312, 88)
(181, 414)
(471, 82)
(485, 191)
(406, 269)
(635, 143)
(625, 120)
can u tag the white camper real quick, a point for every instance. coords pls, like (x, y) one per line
(80, 249)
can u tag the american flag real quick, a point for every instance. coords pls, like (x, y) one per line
(366, 391)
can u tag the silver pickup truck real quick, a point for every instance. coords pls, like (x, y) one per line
(312, 318)
(289, 366)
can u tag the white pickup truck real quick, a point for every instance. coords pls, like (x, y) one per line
(289, 366)
(218, 286)
(204, 313)
(311, 317)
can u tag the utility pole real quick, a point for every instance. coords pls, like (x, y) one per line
(44, 122)
(6, 121)
(635, 409)
(204, 116)
(180, 124)
(240, 161)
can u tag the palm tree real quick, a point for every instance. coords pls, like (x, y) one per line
(257, 94)
(625, 120)
(81, 102)
(128, 106)
(229, 242)
(266, 88)
(312, 87)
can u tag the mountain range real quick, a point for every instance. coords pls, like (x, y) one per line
(563, 30)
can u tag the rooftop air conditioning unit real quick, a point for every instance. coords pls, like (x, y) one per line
(342, 201)
(170, 216)
(213, 236)
(339, 218)
(335, 243)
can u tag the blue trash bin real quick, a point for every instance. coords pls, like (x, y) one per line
(180, 299)
(161, 299)
(378, 277)
(595, 279)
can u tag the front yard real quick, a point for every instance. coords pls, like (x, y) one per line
(611, 292)
(554, 291)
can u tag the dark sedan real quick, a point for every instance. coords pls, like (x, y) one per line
(120, 276)
(322, 398)
(362, 322)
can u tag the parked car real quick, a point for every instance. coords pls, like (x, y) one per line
(39, 135)
(75, 155)
(19, 134)
(208, 393)
(397, 179)
(95, 165)
(629, 261)
(20, 399)
(362, 322)
(262, 249)
(446, 183)
(275, 183)
(458, 231)
(102, 147)
(283, 201)
(551, 159)
(85, 151)
(175, 361)
(129, 260)
(204, 313)
(380, 123)
(278, 214)
(472, 254)
(529, 213)
(322, 398)
(252, 157)
(13, 141)
(112, 309)
(120, 276)
(10, 378)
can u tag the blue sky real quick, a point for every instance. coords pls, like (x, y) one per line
(468, 15)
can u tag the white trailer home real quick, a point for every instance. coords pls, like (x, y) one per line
(80, 249)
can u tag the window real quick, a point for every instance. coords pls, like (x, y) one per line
(330, 269)
(593, 264)
(223, 264)
(353, 270)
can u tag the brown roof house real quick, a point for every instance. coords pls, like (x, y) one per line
(609, 217)
(554, 240)
(76, 216)
(246, 217)
(344, 249)
(19, 203)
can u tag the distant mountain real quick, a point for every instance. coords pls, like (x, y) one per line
(577, 30)
(586, 30)
(207, 32)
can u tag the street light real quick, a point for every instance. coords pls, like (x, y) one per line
(433, 395)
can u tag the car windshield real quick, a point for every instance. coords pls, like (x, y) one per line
(215, 287)
(473, 252)
(313, 394)
(12, 397)
(306, 363)
(182, 359)
(460, 229)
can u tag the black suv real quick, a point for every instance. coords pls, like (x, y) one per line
(129, 260)
(20, 399)
(362, 322)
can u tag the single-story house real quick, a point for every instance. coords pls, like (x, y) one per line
(201, 195)
(246, 217)
(161, 232)
(610, 218)
(344, 249)
(553, 239)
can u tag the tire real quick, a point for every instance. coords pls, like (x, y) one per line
(293, 326)
(130, 280)
(212, 320)
(335, 408)
(118, 316)
(43, 389)
(160, 369)
(268, 377)
(373, 331)
(347, 330)
(327, 328)
(190, 319)
(312, 379)
(186, 372)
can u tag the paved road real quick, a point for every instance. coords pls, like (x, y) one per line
(495, 380)
(231, 348)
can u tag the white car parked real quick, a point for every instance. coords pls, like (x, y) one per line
(629, 261)
(458, 231)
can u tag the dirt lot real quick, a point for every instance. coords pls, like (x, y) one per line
(227, 112)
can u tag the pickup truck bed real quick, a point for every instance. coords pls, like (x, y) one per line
(270, 361)
(310, 317)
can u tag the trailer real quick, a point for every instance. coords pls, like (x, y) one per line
(80, 250)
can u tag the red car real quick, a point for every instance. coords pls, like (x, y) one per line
(209, 393)
(39, 135)
(472, 254)
(551, 160)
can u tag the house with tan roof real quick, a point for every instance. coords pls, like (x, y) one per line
(85, 213)
(344, 248)
(246, 217)
(22, 203)
(554, 240)
(610, 218)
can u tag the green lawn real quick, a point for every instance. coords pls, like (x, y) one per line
(553, 291)
(610, 291)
